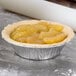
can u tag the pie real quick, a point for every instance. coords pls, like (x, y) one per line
(37, 32)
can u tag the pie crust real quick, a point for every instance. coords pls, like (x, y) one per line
(9, 28)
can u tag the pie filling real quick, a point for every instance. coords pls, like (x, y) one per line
(41, 32)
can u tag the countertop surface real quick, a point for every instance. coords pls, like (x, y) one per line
(12, 65)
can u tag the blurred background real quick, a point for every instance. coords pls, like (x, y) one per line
(69, 3)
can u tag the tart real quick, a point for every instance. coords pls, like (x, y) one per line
(40, 32)
(37, 39)
(37, 32)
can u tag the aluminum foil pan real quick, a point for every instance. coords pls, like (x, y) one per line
(37, 53)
